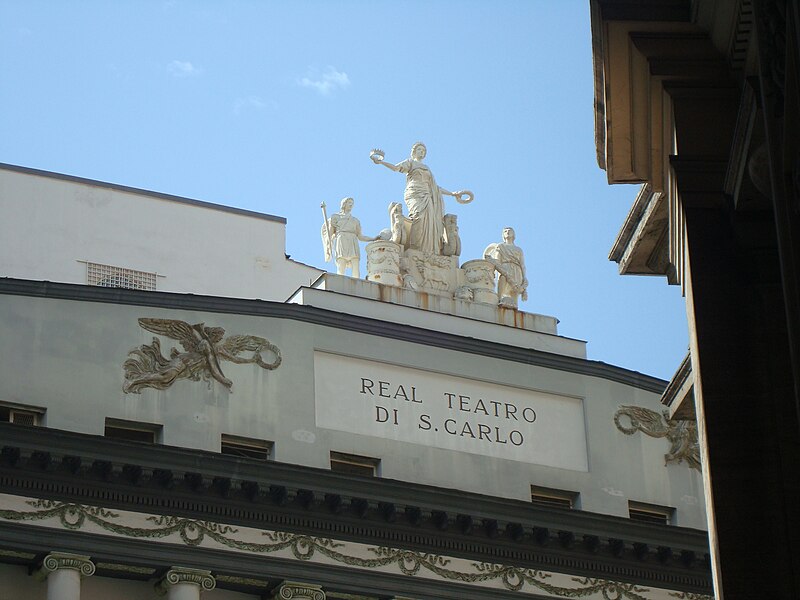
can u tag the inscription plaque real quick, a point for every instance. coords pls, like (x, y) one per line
(453, 413)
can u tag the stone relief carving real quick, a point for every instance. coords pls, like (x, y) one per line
(177, 575)
(682, 435)
(340, 236)
(294, 590)
(509, 262)
(412, 563)
(204, 349)
(383, 262)
(63, 560)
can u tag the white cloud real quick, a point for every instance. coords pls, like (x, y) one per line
(180, 68)
(330, 80)
(249, 103)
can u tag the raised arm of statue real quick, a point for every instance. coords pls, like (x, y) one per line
(377, 157)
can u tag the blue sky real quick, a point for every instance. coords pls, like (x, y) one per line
(274, 107)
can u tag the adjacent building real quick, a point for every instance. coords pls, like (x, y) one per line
(699, 101)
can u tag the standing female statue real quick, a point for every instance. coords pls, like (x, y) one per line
(423, 199)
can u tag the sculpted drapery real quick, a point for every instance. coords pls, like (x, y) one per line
(425, 206)
(423, 198)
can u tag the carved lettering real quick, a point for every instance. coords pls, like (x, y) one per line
(511, 411)
(401, 392)
(367, 388)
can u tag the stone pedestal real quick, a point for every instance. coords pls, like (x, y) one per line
(479, 277)
(383, 263)
(63, 572)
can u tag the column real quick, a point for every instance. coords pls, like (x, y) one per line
(294, 590)
(63, 572)
(181, 583)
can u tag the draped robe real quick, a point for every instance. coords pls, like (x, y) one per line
(425, 206)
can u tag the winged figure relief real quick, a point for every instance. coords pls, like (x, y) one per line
(204, 348)
(682, 435)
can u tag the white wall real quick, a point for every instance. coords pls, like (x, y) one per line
(67, 356)
(50, 223)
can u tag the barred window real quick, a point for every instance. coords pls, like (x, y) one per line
(354, 465)
(543, 496)
(133, 431)
(20, 414)
(246, 447)
(650, 513)
(118, 277)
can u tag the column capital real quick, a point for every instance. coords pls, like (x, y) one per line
(64, 560)
(295, 590)
(177, 575)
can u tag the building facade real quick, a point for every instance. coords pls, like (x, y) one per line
(283, 432)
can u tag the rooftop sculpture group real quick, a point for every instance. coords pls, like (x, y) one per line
(421, 250)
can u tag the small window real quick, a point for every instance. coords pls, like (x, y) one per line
(119, 277)
(650, 513)
(542, 496)
(246, 448)
(132, 431)
(20, 415)
(354, 465)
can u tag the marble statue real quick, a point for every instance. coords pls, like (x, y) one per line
(340, 236)
(204, 349)
(398, 224)
(423, 198)
(509, 263)
(451, 244)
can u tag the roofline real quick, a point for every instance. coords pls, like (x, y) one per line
(132, 190)
(329, 318)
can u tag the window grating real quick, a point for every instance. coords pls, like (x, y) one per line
(20, 416)
(246, 448)
(354, 465)
(650, 513)
(132, 431)
(118, 277)
(556, 498)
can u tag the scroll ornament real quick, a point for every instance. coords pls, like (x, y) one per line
(204, 350)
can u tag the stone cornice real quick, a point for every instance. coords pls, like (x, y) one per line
(309, 314)
(175, 481)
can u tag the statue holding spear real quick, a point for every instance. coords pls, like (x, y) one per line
(340, 235)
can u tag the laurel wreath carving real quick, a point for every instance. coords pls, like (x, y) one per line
(304, 547)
